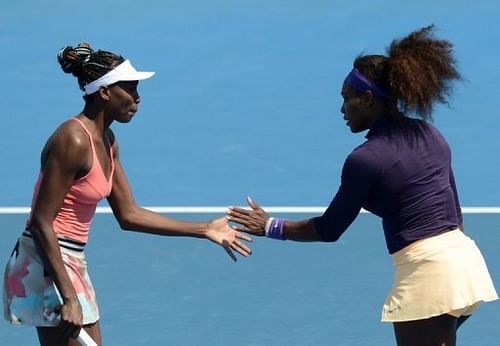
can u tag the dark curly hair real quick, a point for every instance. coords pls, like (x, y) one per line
(86, 64)
(418, 70)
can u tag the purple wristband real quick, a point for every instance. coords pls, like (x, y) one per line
(275, 230)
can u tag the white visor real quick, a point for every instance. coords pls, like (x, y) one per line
(123, 72)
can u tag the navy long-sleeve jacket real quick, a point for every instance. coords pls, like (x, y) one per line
(401, 173)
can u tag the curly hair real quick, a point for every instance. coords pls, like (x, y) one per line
(86, 64)
(417, 72)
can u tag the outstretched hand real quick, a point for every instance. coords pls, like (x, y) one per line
(230, 239)
(251, 221)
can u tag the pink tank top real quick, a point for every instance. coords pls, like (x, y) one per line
(78, 209)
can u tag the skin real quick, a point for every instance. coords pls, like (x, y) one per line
(67, 156)
(360, 110)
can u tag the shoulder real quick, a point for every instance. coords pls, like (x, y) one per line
(432, 129)
(69, 142)
(366, 152)
(433, 135)
(363, 159)
(71, 136)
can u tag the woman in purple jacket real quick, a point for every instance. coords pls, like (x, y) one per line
(401, 173)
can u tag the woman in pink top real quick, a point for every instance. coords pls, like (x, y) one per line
(46, 282)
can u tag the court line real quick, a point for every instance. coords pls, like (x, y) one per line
(218, 210)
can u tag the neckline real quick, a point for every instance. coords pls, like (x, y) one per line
(95, 158)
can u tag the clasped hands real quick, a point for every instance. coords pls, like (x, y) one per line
(251, 221)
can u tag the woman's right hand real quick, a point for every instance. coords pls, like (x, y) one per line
(71, 318)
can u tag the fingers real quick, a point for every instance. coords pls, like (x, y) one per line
(239, 211)
(252, 203)
(244, 218)
(227, 247)
(241, 229)
(248, 225)
(239, 219)
(71, 319)
(69, 329)
(76, 332)
(241, 248)
(238, 246)
(244, 237)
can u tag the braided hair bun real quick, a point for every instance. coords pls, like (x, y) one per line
(86, 64)
(71, 59)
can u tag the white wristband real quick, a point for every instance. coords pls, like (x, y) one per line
(268, 226)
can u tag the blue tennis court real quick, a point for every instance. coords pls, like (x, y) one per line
(230, 76)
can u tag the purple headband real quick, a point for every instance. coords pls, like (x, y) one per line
(359, 82)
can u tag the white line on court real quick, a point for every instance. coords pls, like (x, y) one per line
(218, 210)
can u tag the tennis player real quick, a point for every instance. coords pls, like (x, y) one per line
(401, 173)
(46, 275)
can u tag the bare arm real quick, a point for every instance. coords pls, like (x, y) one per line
(63, 158)
(301, 231)
(132, 217)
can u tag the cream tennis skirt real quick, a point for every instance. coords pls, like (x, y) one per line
(444, 274)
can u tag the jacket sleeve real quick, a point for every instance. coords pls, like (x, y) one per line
(361, 171)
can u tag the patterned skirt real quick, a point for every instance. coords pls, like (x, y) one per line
(31, 297)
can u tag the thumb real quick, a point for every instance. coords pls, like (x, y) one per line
(252, 203)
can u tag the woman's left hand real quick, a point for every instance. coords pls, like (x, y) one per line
(252, 220)
(230, 239)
